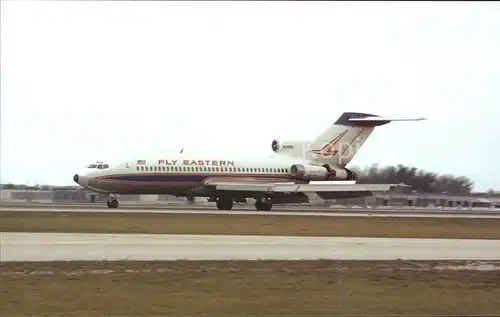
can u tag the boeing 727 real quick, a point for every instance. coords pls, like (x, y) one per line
(299, 171)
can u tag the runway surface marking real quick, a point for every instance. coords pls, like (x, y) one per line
(95, 247)
(353, 213)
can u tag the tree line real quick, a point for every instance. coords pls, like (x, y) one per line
(420, 180)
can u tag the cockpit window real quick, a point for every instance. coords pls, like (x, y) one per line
(98, 165)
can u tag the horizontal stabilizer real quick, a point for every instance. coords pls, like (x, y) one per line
(387, 119)
(366, 120)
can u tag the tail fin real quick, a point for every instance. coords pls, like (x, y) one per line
(340, 142)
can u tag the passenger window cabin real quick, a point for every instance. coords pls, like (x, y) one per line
(213, 169)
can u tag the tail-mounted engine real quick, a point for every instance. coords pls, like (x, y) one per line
(341, 173)
(278, 146)
(320, 173)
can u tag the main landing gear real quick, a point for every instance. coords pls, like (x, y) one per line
(263, 204)
(112, 202)
(224, 203)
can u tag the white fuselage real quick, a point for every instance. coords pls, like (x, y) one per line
(183, 174)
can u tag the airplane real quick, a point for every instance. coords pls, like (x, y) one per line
(298, 172)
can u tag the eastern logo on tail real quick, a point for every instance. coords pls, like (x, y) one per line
(328, 149)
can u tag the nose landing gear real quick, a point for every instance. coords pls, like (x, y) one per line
(112, 202)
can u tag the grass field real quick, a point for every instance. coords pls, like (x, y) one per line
(107, 222)
(243, 288)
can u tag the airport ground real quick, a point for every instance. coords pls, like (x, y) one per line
(127, 205)
(185, 222)
(241, 288)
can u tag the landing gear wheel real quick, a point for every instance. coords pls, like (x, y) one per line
(112, 203)
(224, 203)
(263, 205)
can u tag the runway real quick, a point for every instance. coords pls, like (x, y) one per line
(109, 247)
(328, 212)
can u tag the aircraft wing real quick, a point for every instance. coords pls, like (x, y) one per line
(297, 188)
(292, 192)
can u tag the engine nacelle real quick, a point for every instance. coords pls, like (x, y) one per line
(276, 146)
(320, 173)
(279, 146)
(341, 173)
(308, 172)
(290, 148)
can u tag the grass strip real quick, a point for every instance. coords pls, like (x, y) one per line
(275, 225)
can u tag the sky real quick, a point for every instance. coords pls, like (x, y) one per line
(85, 81)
